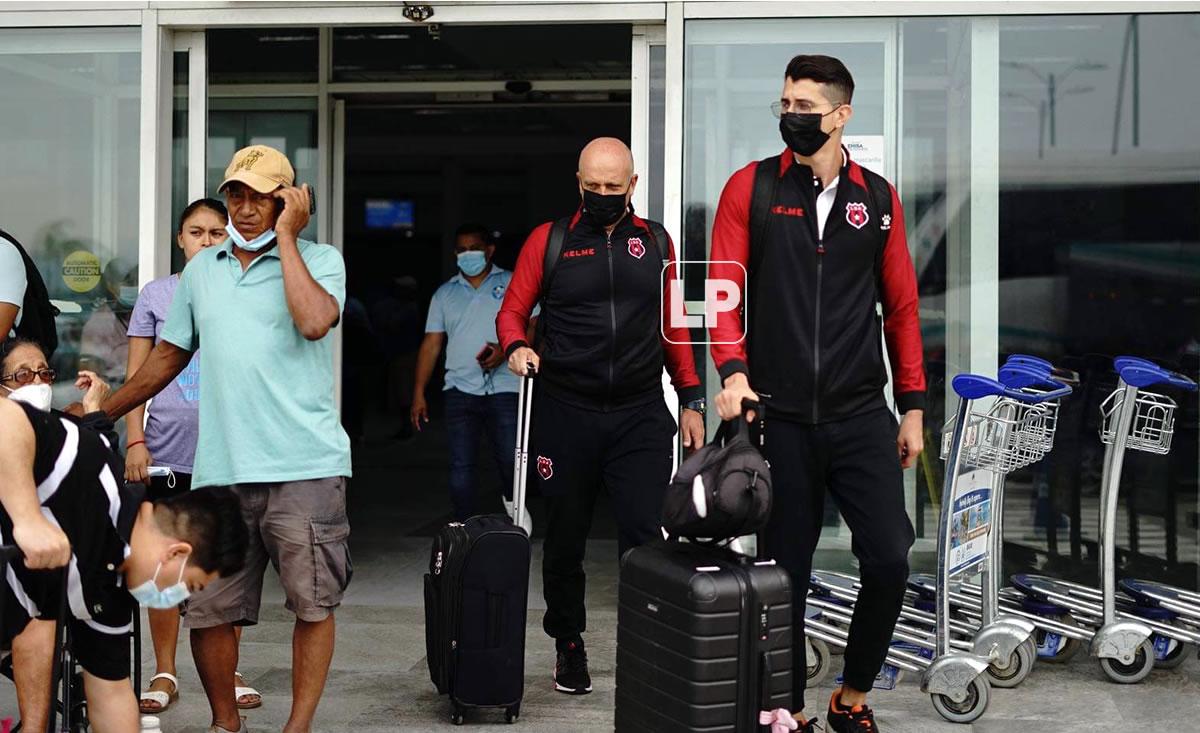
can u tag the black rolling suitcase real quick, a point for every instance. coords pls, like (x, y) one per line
(476, 594)
(704, 639)
(704, 634)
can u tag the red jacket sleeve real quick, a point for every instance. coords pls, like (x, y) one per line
(676, 342)
(731, 261)
(901, 319)
(524, 290)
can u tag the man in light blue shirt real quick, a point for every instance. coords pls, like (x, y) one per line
(481, 395)
(263, 305)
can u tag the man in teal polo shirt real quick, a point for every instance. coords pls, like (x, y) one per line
(481, 395)
(264, 305)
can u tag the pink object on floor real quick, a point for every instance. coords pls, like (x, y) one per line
(780, 720)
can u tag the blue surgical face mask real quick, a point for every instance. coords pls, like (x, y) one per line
(252, 245)
(472, 262)
(128, 295)
(149, 595)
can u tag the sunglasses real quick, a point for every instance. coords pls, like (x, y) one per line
(26, 376)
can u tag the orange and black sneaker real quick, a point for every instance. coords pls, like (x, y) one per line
(857, 719)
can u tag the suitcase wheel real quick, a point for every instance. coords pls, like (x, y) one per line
(456, 718)
(511, 715)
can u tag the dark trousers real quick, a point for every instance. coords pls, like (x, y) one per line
(573, 453)
(856, 460)
(468, 416)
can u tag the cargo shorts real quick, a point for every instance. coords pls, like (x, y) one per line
(302, 529)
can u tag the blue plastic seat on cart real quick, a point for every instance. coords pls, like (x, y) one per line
(1043, 608)
(1141, 590)
(923, 584)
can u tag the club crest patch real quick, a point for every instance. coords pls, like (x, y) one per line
(636, 248)
(498, 292)
(545, 468)
(856, 215)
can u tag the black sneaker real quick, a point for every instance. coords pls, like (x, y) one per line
(571, 671)
(858, 719)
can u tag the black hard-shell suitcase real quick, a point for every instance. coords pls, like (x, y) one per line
(704, 639)
(476, 595)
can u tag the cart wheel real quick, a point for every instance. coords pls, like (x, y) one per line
(1020, 664)
(1067, 647)
(512, 714)
(818, 665)
(1134, 672)
(1175, 657)
(969, 710)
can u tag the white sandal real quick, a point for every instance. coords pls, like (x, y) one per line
(240, 692)
(158, 697)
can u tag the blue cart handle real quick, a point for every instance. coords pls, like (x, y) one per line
(1139, 375)
(975, 386)
(1121, 362)
(1018, 376)
(1033, 362)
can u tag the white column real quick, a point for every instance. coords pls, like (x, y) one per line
(973, 194)
(197, 145)
(154, 183)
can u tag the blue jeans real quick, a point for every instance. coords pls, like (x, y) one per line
(468, 415)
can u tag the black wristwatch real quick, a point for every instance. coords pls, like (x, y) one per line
(697, 405)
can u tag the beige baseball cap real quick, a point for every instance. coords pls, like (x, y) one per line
(260, 167)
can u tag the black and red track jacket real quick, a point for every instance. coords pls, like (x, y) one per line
(813, 342)
(602, 345)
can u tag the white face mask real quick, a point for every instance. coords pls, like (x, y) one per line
(37, 396)
(252, 245)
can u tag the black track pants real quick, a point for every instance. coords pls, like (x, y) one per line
(573, 453)
(856, 460)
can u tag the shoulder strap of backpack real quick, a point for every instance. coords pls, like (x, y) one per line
(661, 239)
(554, 248)
(762, 197)
(37, 312)
(880, 194)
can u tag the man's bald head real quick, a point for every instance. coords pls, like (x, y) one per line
(606, 156)
(606, 168)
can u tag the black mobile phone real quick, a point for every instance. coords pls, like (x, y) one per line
(312, 199)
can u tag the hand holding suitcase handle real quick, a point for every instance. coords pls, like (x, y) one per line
(521, 459)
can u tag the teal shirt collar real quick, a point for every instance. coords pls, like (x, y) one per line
(226, 248)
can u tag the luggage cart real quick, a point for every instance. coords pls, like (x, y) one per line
(1149, 624)
(1006, 638)
(1000, 437)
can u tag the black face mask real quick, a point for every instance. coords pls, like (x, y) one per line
(604, 210)
(802, 132)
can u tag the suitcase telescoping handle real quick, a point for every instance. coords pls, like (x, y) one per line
(521, 459)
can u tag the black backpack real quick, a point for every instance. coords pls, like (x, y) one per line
(762, 198)
(37, 312)
(722, 490)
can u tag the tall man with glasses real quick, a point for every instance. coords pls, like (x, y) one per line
(823, 241)
(264, 303)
